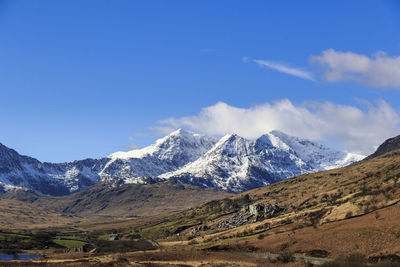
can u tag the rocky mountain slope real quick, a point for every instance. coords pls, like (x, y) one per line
(350, 212)
(18, 171)
(166, 154)
(235, 164)
(390, 144)
(329, 213)
(232, 164)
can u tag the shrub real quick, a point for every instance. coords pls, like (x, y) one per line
(286, 258)
(123, 245)
(122, 260)
(353, 260)
(193, 242)
(319, 253)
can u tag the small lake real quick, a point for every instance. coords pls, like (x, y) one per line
(19, 257)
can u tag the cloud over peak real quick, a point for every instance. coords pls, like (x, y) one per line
(356, 129)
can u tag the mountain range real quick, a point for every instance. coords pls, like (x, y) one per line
(316, 216)
(231, 163)
(326, 214)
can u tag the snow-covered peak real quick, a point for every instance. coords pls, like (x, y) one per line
(229, 140)
(315, 154)
(231, 163)
(230, 144)
(236, 164)
(182, 132)
(296, 142)
(166, 147)
(165, 155)
(274, 141)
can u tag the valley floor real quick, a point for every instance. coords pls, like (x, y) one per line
(182, 257)
(375, 235)
(342, 217)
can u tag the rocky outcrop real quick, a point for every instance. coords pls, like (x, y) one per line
(389, 145)
(254, 212)
(234, 221)
(263, 211)
(196, 231)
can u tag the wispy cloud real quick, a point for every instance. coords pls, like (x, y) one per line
(380, 70)
(358, 129)
(285, 69)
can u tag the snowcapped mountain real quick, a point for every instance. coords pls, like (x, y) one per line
(235, 164)
(318, 156)
(232, 163)
(165, 155)
(48, 178)
(22, 171)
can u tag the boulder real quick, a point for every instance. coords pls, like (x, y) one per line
(263, 211)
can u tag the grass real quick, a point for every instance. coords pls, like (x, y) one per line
(68, 243)
(168, 227)
(105, 236)
(234, 239)
(317, 203)
(4, 236)
(311, 199)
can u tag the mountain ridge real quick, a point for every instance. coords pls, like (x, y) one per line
(235, 163)
(388, 145)
(255, 163)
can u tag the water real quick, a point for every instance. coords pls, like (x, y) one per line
(18, 257)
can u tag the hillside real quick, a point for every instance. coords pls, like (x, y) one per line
(348, 212)
(389, 145)
(16, 214)
(129, 200)
(307, 206)
(351, 212)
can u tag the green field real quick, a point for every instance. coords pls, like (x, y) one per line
(68, 243)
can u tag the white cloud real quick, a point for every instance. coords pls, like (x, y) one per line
(379, 70)
(356, 129)
(284, 69)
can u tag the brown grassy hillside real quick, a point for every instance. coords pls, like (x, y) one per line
(16, 214)
(130, 200)
(347, 212)
(317, 211)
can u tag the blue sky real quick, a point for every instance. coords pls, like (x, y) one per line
(87, 78)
